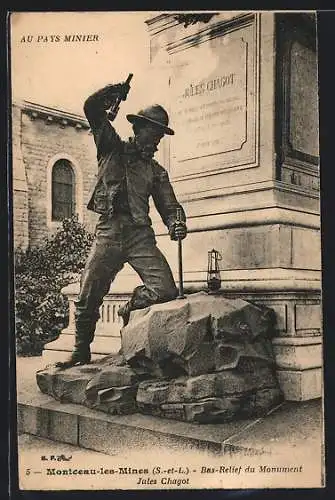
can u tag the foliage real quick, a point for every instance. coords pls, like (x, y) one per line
(41, 311)
(188, 19)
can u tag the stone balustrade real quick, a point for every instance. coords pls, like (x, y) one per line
(107, 336)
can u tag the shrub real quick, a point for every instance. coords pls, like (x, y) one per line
(41, 311)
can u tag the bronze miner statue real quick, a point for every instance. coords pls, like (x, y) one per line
(128, 175)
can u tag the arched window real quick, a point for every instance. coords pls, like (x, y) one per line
(63, 190)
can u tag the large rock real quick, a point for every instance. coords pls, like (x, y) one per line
(110, 376)
(117, 400)
(108, 385)
(218, 396)
(224, 409)
(198, 334)
(66, 385)
(202, 359)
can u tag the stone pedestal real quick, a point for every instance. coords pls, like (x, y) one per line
(298, 342)
(246, 169)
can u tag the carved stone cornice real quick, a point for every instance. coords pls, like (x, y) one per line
(219, 28)
(159, 23)
(219, 25)
(52, 115)
(167, 20)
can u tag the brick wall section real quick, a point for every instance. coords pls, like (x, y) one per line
(40, 142)
(20, 219)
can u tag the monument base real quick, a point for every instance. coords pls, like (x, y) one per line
(203, 359)
(42, 416)
(297, 344)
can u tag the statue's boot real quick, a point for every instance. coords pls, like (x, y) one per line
(124, 313)
(81, 354)
(142, 297)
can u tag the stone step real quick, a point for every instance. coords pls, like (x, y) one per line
(42, 416)
(97, 431)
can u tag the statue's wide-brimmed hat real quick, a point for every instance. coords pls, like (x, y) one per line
(155, 114)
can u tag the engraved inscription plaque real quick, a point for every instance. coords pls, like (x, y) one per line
(214, 109)
(214, 92)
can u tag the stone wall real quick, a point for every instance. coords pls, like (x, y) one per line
(41, 136)
(20, 212)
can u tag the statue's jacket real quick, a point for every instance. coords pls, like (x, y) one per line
(125, 179)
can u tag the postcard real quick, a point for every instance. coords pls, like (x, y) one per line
(166, 226)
